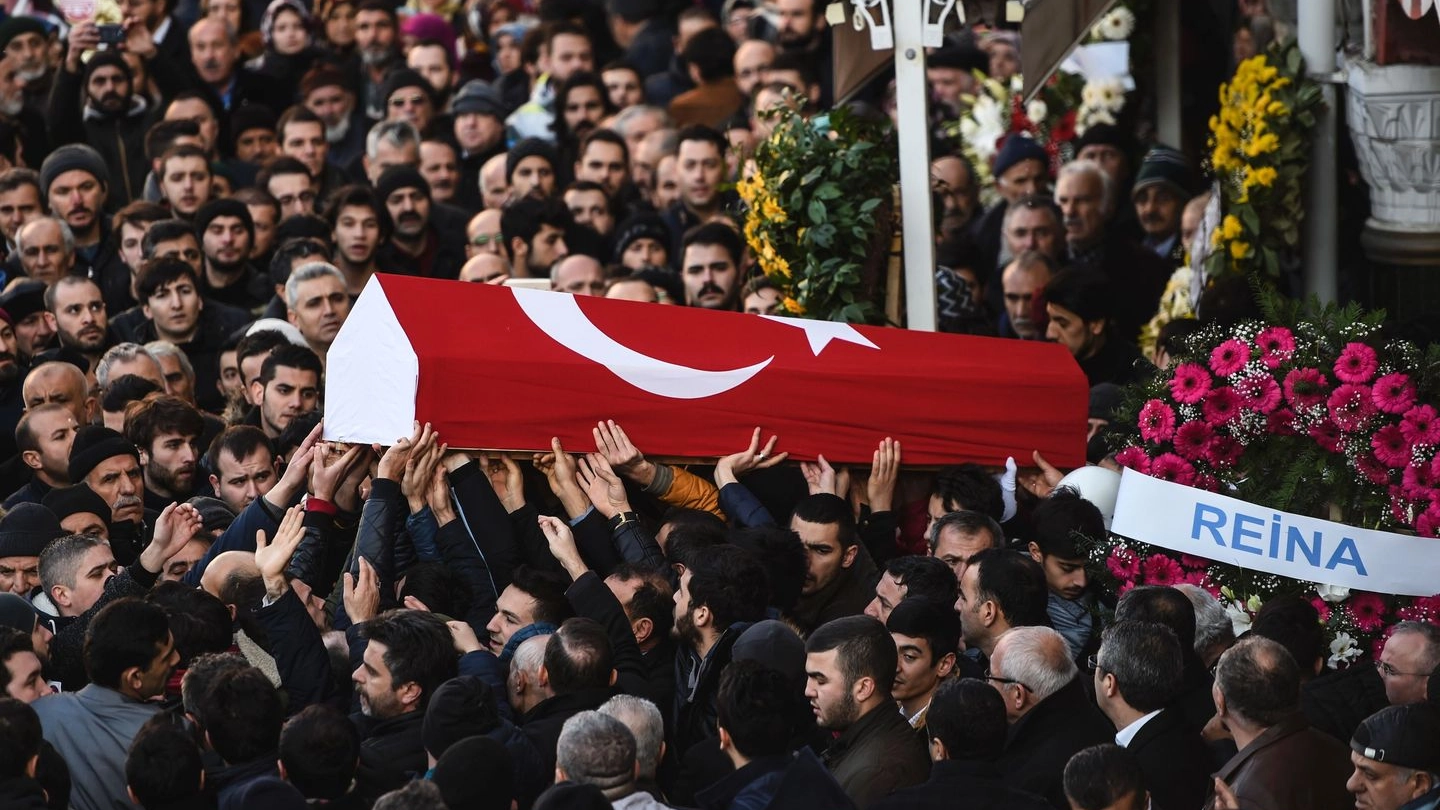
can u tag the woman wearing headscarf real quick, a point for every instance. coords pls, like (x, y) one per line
(289, 45)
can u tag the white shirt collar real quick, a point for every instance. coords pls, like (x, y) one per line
(161, 30)
(1125, 735)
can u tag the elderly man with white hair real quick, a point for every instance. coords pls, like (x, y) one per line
(597, 749)
(1051, 715)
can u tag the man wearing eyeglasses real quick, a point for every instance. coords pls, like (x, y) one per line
(1138, 672)
(1410, 655)
(408, 97)
(1051, 716)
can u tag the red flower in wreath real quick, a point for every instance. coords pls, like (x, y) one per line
(1305, 387)
(1368, 611)
(1357, 363)
(1190, 384)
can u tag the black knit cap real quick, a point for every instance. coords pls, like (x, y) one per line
(17, 613)
(1405, 736)
(251, 116)
(400, 78)
(462, 707)
(641, 226)
(530, 147)
(1106, 135)
(15, 26)
(26, 529)
(93, 444)
(397, 177)
(473, 772)
(214, 513)
(24, 299)
(107, 59)
(223, 207)
(78, 499)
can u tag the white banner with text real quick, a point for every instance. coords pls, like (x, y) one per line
(1236, 532)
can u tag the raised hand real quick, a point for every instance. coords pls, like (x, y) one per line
(177, 524)
(420, 469)
(437, 495)
(329, 469)
(819, 476)
(622, 454)
(505, 478)
(392, 462)
(729, 469)
(562, 545)
(602, 485)
(362, 594)
(884, 473)
(464, 637)
(347, 495)
(1041, 483)
(272, 557)
(560, 470)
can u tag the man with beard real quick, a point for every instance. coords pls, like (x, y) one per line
(359, 225)
(34, 329)
(95, 101)
(75, 181)
(710, 267)
(1162, 188)
(19, 203)
(166, 431)
(103, 460)
(185, 180)
(47, 249)
(534, 232)
(24, 110)
(43, 437)
(849, 667)
(318, 304)
(169, 32)
(428, 239)
(1022, 284)
(288, 386)
(26, 42)
(408, 97)
(170, 290)
(565, 49)
(323, 91)
(480, 133)
(302, 136)
(78, 310)
(376, 48)
(604, 159)
(800, 28)
(407, 655)
(226, 232)
(291, 184)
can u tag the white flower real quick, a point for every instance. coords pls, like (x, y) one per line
(1333, 594)
(1036, 111)
(1343, 650)
(1110, 94)
(1116, 26)
(1240, 618)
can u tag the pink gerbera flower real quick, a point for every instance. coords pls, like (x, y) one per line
(1276, 345)
(1224, 451)
(1259, 393)
(1327, 435)
(1222, 405)
(1229, 357)
(1305, 387)
(1391, 447)
(1157, 421)
(1161, 570)
(1322, 607)
(1134, 458)
(1123, 562)
(1281, 422)
(1418, 479)
(1357, 363)
(1372, 468)
(1350, 406)
(1368, 611)
(1193, 563)
(1192, 438)
(1393, 393)
(1421, 425)
(1206, 481)
(1170, 467)
(1190, 384)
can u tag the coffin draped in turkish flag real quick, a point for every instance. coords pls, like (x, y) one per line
(507, 368)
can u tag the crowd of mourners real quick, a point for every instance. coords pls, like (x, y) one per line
(204, 604)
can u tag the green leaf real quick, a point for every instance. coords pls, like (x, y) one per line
(816, 211)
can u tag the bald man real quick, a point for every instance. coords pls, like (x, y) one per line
(486, 268)
(494, 186)
(59, 383)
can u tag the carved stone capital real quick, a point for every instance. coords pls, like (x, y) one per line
(1394, 118)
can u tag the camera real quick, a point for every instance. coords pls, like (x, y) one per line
(111, 34)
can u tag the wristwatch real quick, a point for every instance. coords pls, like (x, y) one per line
(623, 518)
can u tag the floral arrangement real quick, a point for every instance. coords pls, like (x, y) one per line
(1259, 145)
(998, 111)
(1103, 97)
(1315, 412)
(819, 213)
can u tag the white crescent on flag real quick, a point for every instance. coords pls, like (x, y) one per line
(560, 317)
(1415, 9)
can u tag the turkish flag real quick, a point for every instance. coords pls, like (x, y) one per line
(508, 368)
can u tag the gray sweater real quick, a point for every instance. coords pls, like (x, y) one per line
(92, 729)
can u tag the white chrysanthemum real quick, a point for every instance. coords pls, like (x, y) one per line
(1110, 94)
(1333, 594)
(1116, 26)
(1036, 111)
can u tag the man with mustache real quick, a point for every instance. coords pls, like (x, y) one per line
(318, 303)
(19, 203)
(375, 47)
(81, 320)
(170, 290)
(103, 460)
(1022, 283)
(34, 329)
(215, 52)
(710, 267)
(1087, 197)
(95, 101)
(409, 97)
(428, 238)
(324, 91)
(167, 431)
(534, 231)
(226, 232)
(288, 386)
(75, 181)
(1162, 188)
